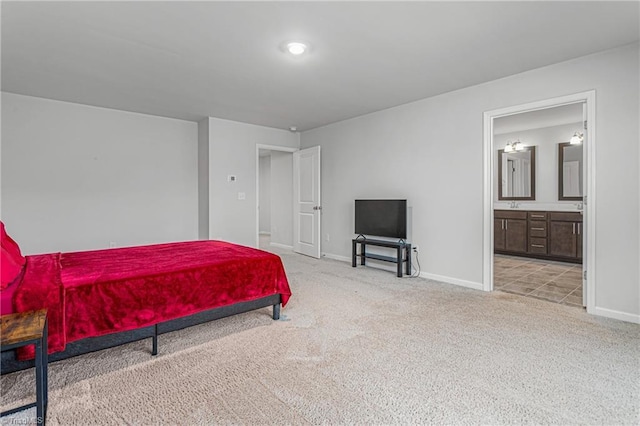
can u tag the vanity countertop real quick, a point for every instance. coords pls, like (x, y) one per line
(546, 207)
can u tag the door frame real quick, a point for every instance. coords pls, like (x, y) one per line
(589, 207)
(269, 148)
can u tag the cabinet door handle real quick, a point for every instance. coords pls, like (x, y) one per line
(506, 224)
(537, 215)
(579, 228)
(537, 229)
(574, 227)
(537, 245)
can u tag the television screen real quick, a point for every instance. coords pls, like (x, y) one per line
(382, 218)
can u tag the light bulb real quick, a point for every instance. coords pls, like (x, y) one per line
(296, 48)
(576, 139)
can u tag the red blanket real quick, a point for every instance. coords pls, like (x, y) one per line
(94, 293)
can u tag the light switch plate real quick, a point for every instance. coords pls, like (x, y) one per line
(241, 195)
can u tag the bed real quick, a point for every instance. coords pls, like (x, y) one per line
(102, 298)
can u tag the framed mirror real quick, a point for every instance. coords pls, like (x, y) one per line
(517, 174)
(570, 172)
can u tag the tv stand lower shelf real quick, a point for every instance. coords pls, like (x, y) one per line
(403, 253)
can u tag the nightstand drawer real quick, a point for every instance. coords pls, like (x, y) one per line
(538, 245)
(537, 229)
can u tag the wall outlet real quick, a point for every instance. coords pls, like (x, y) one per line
(112, 244)
(416, 249)
(242, 196)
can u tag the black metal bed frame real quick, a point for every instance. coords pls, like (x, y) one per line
(9, 363)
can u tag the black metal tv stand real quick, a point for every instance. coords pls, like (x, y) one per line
(402, 247)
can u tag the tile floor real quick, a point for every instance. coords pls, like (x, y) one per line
(543, 279)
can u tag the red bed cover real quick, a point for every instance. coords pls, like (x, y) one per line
(93, 293)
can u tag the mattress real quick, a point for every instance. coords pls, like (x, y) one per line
(93, 293)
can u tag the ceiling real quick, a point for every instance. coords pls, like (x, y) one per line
(190, 60)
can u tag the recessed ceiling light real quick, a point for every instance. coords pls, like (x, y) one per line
(296, 48)
(293, 129)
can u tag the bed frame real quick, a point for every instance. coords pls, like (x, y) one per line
(91, 344)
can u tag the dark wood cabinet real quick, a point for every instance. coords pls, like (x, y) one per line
(538, 229)
(565, 238)
(510, 231)
(516, 235)
(545, 235)
(579, 240)
(563, 242)
(499, 234)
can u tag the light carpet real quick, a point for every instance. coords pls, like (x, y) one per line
(360, 346)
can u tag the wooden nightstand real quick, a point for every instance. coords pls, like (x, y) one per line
(22, 329)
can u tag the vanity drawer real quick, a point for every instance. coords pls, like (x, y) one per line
(537, 229)
(537, 215)
(509, 214)
(566, 216)
(538, 245)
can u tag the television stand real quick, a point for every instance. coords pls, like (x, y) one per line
(403, 253)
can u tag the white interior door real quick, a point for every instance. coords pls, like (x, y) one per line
(306, 201)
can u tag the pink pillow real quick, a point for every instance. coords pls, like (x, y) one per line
(11, 261)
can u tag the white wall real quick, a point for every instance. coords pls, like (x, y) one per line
(431, 152)
(76, 177)
(265, 195)
(232, 151)
(546, 141)
(282, 198)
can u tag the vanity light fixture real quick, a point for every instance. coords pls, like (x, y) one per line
(513, 146)
(577, 138)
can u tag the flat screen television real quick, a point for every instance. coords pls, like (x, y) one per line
(382, 218)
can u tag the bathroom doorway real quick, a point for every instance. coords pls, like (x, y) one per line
(546, 227)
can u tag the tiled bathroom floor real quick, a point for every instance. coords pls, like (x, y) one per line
(543, 279)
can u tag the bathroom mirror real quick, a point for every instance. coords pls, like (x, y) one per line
(517, 174)
(570, 171)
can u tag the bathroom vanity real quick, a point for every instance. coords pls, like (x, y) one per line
(553, 235)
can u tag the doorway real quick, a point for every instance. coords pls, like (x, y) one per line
(274, 197)
(504, 126)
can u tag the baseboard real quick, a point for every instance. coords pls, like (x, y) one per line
(450, 280)
(622, 316)
(386, 267)
(337, 257)
(282, 246)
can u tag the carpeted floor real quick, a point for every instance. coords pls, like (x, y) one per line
(360, 346)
